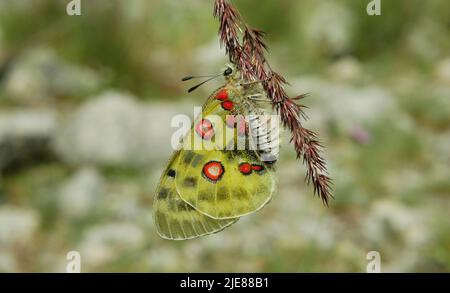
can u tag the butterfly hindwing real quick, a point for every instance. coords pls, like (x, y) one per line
(224, 184)
(175, 219)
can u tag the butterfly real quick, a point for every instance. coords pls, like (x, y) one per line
(224, 167)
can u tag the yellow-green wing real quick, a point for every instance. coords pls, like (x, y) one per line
(174, 218)
(226, 191)
(220, 184)
(210, 130)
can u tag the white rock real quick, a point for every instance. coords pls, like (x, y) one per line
(27, 123)
(103, 243)
(8, 263)
(105, 130)
(40, 74)
(17, 225)
(25, 134)
(115, 129)
(80, 194)
(344, 105)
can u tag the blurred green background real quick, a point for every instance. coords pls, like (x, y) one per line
(85, 109)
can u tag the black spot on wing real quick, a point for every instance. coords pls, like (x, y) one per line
(196, 160)
(163, 193)
(222, 194)
(179, 206)
(190, 182)
(171, 173)
(240, 193)
(188, 157)
(204, 196)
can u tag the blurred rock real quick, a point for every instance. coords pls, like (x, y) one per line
(79, 195)
(399, 231)
(105, 130)
(122, 201)
(442, 71)
(389, 220)
(17, 225)
(156, 130)
(328, 27)
(39, 75)
(25, 136)
(423, 37)
(8, 263)
(343, 105)
(114, 129)
(165, 259)
(300, 217)
(103, 243)
(345, 69)
(440, 146)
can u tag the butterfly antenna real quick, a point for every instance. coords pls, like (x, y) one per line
(227, 72)
(193, 77)
(203, 82)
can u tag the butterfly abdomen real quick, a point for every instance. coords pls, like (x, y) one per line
(264, 132)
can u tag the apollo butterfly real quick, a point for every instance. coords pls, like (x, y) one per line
(204, 190)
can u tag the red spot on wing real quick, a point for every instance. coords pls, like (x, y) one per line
(222, 95)
(257, 168)
(245, 168)
(227, 105)
(205, 129)
(213, 170)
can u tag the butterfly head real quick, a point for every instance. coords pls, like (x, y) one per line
(238, 87)
(231, 74)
